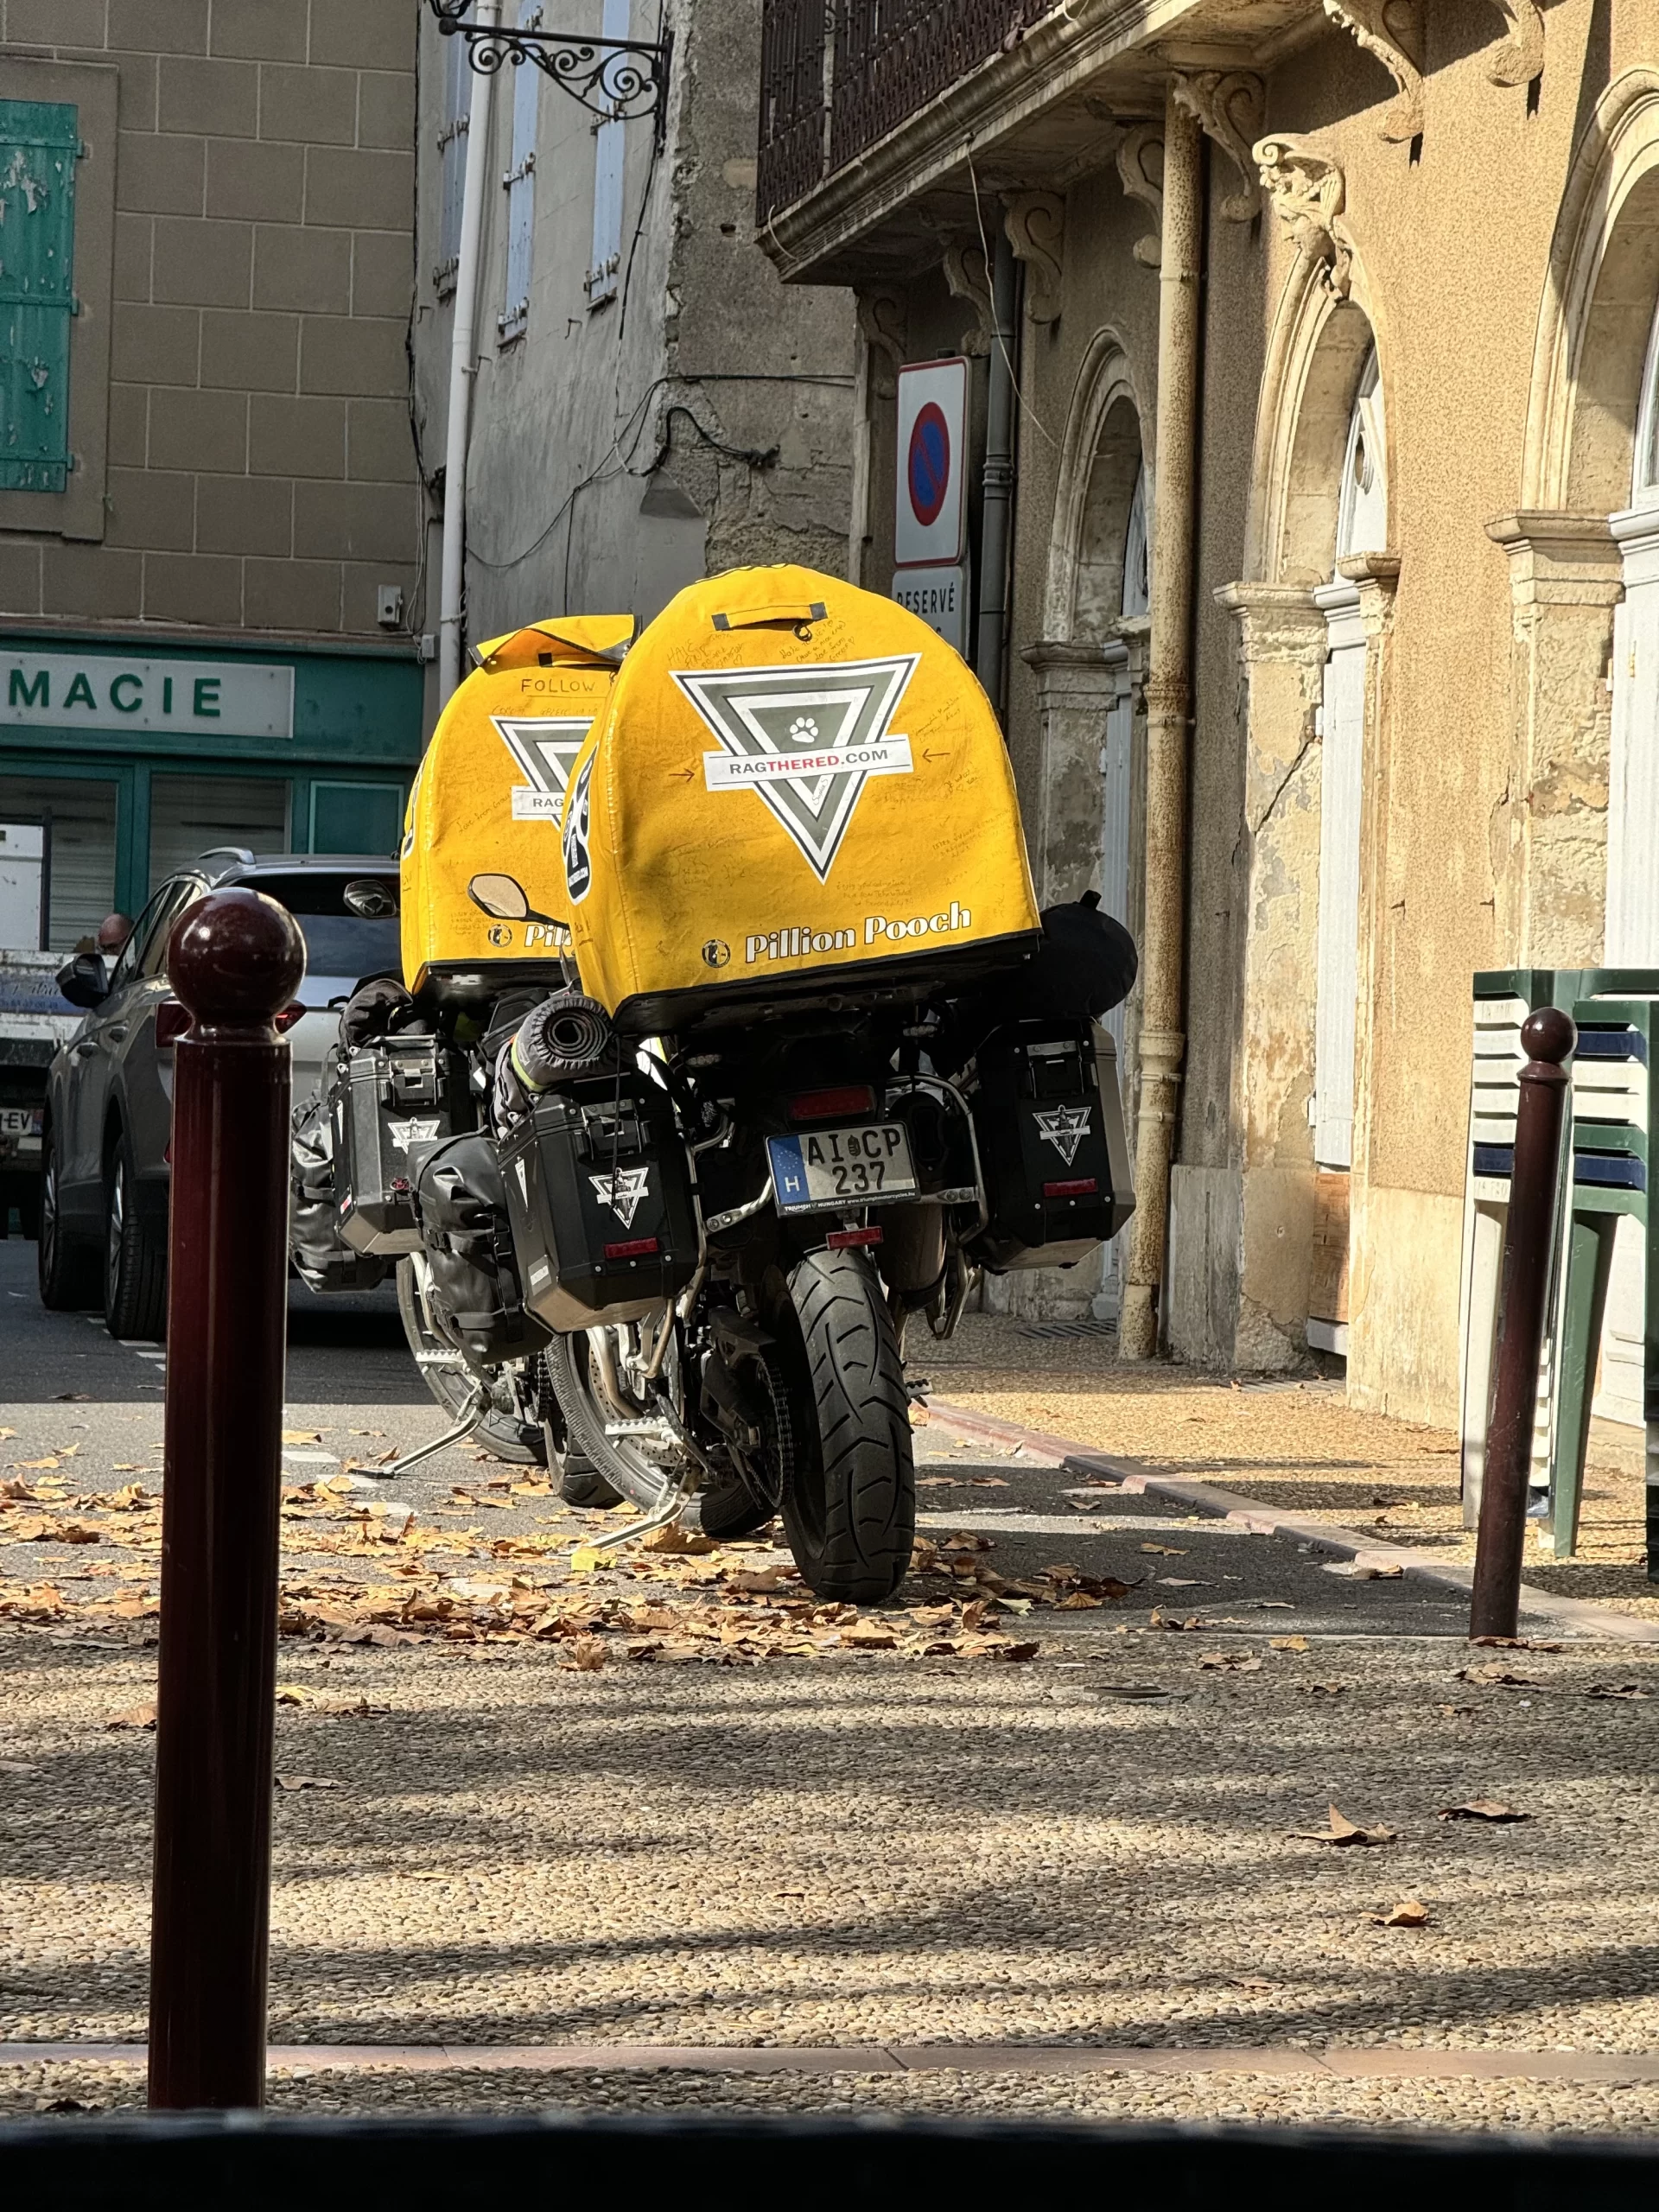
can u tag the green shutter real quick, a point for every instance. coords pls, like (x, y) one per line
(40, 144)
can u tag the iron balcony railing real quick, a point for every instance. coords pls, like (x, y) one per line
(836, 75)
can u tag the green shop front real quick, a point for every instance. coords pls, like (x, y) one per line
(119, 763)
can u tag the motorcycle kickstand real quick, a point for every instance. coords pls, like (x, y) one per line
(472, 1413)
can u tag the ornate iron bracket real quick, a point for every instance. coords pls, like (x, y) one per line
(618, 79)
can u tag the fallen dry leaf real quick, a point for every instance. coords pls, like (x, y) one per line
(1164, 1551)
(1288, 1643)
(1164, 1620)
(987, 1482)
(1514, 1643)
(136, 1716)
(1483, 1809)
(870, 1635)
(1408, 1913)
(677, 1542)
(1497, 1676)
(1344, 1831)
(304, 1782)
(1229, 1662)
(1622, 1690)
(587, 1654)
(301, 1436)
(587, 1559)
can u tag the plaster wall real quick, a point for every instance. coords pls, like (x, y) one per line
(616, 449)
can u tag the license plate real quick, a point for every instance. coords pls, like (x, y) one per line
(823, 1170)
(21, 1121)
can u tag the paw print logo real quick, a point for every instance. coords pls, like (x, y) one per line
(803, 730)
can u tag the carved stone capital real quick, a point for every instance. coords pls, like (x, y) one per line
(1559, 557)
(1308, 195)
(1521, 57)
(1035, 222)
(1276, 622)
(1377, 575)
(882, 324)
(1392, 30)
(1141, 171)
(969, 279)
(1229, 105)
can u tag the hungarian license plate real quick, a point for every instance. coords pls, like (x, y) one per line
(20, 1121)
(822, 1169)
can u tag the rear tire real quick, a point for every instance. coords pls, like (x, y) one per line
(849, 1506)
(134, 1257)
(66, 1267)
(501, 1433)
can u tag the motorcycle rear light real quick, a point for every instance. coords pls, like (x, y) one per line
(637, 1248)
(839, 1239)
(1084, 1187)
(172, 1020)
(286, 1020)
(824, 1105)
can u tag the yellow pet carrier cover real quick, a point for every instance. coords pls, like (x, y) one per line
(490, 795)
(794, 784)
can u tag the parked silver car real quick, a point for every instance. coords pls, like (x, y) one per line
(109, 1101)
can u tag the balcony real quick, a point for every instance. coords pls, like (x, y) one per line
(883, 122)
(836, 75)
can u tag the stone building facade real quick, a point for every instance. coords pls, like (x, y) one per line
(1346, 312)
(210, 518)
(651, 402)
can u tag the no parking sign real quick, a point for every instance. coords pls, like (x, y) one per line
(933, 421)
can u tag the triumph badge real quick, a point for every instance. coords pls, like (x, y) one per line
(1065, 1128)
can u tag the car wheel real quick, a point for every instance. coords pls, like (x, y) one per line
(66, 1267)
(134, 1258)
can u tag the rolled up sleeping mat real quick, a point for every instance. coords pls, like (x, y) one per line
(567, 1035)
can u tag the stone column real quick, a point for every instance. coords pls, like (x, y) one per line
(1243, 1232)
(1549, 835)
(1377, 575)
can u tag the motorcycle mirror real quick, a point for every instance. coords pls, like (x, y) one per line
(500, 896)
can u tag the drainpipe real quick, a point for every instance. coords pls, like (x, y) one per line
(463, 370)
(997, 481)
(1168, 696)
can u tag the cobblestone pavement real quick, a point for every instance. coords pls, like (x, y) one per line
(802, 1836)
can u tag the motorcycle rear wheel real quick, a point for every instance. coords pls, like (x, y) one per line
(849, 1505)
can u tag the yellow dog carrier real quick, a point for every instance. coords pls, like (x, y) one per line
(488, 803)
(797, 791)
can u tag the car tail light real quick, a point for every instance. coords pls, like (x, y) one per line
(286, 1020)
(823, 1105)
(637, 1248)
(172, 1020)
(839, 1239)
(1084, 1187)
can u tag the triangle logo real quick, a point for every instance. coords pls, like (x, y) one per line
(545, 748)
(805, 740)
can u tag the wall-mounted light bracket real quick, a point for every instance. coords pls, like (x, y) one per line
(617, 79)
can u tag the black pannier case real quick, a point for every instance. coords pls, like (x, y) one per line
(388, 1096)
(1050, 1124)
(474, 1295)
(599, 1190)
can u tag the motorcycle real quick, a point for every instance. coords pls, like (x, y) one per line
(680, 1142)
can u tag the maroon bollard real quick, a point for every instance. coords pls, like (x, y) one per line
(234, 959)
(1548, 1037)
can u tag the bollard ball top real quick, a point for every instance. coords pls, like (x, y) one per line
(1549, 1035)
(235, 958)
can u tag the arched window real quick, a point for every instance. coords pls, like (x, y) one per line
(1137, 579)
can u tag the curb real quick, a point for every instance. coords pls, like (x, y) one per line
(1575, 1616)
